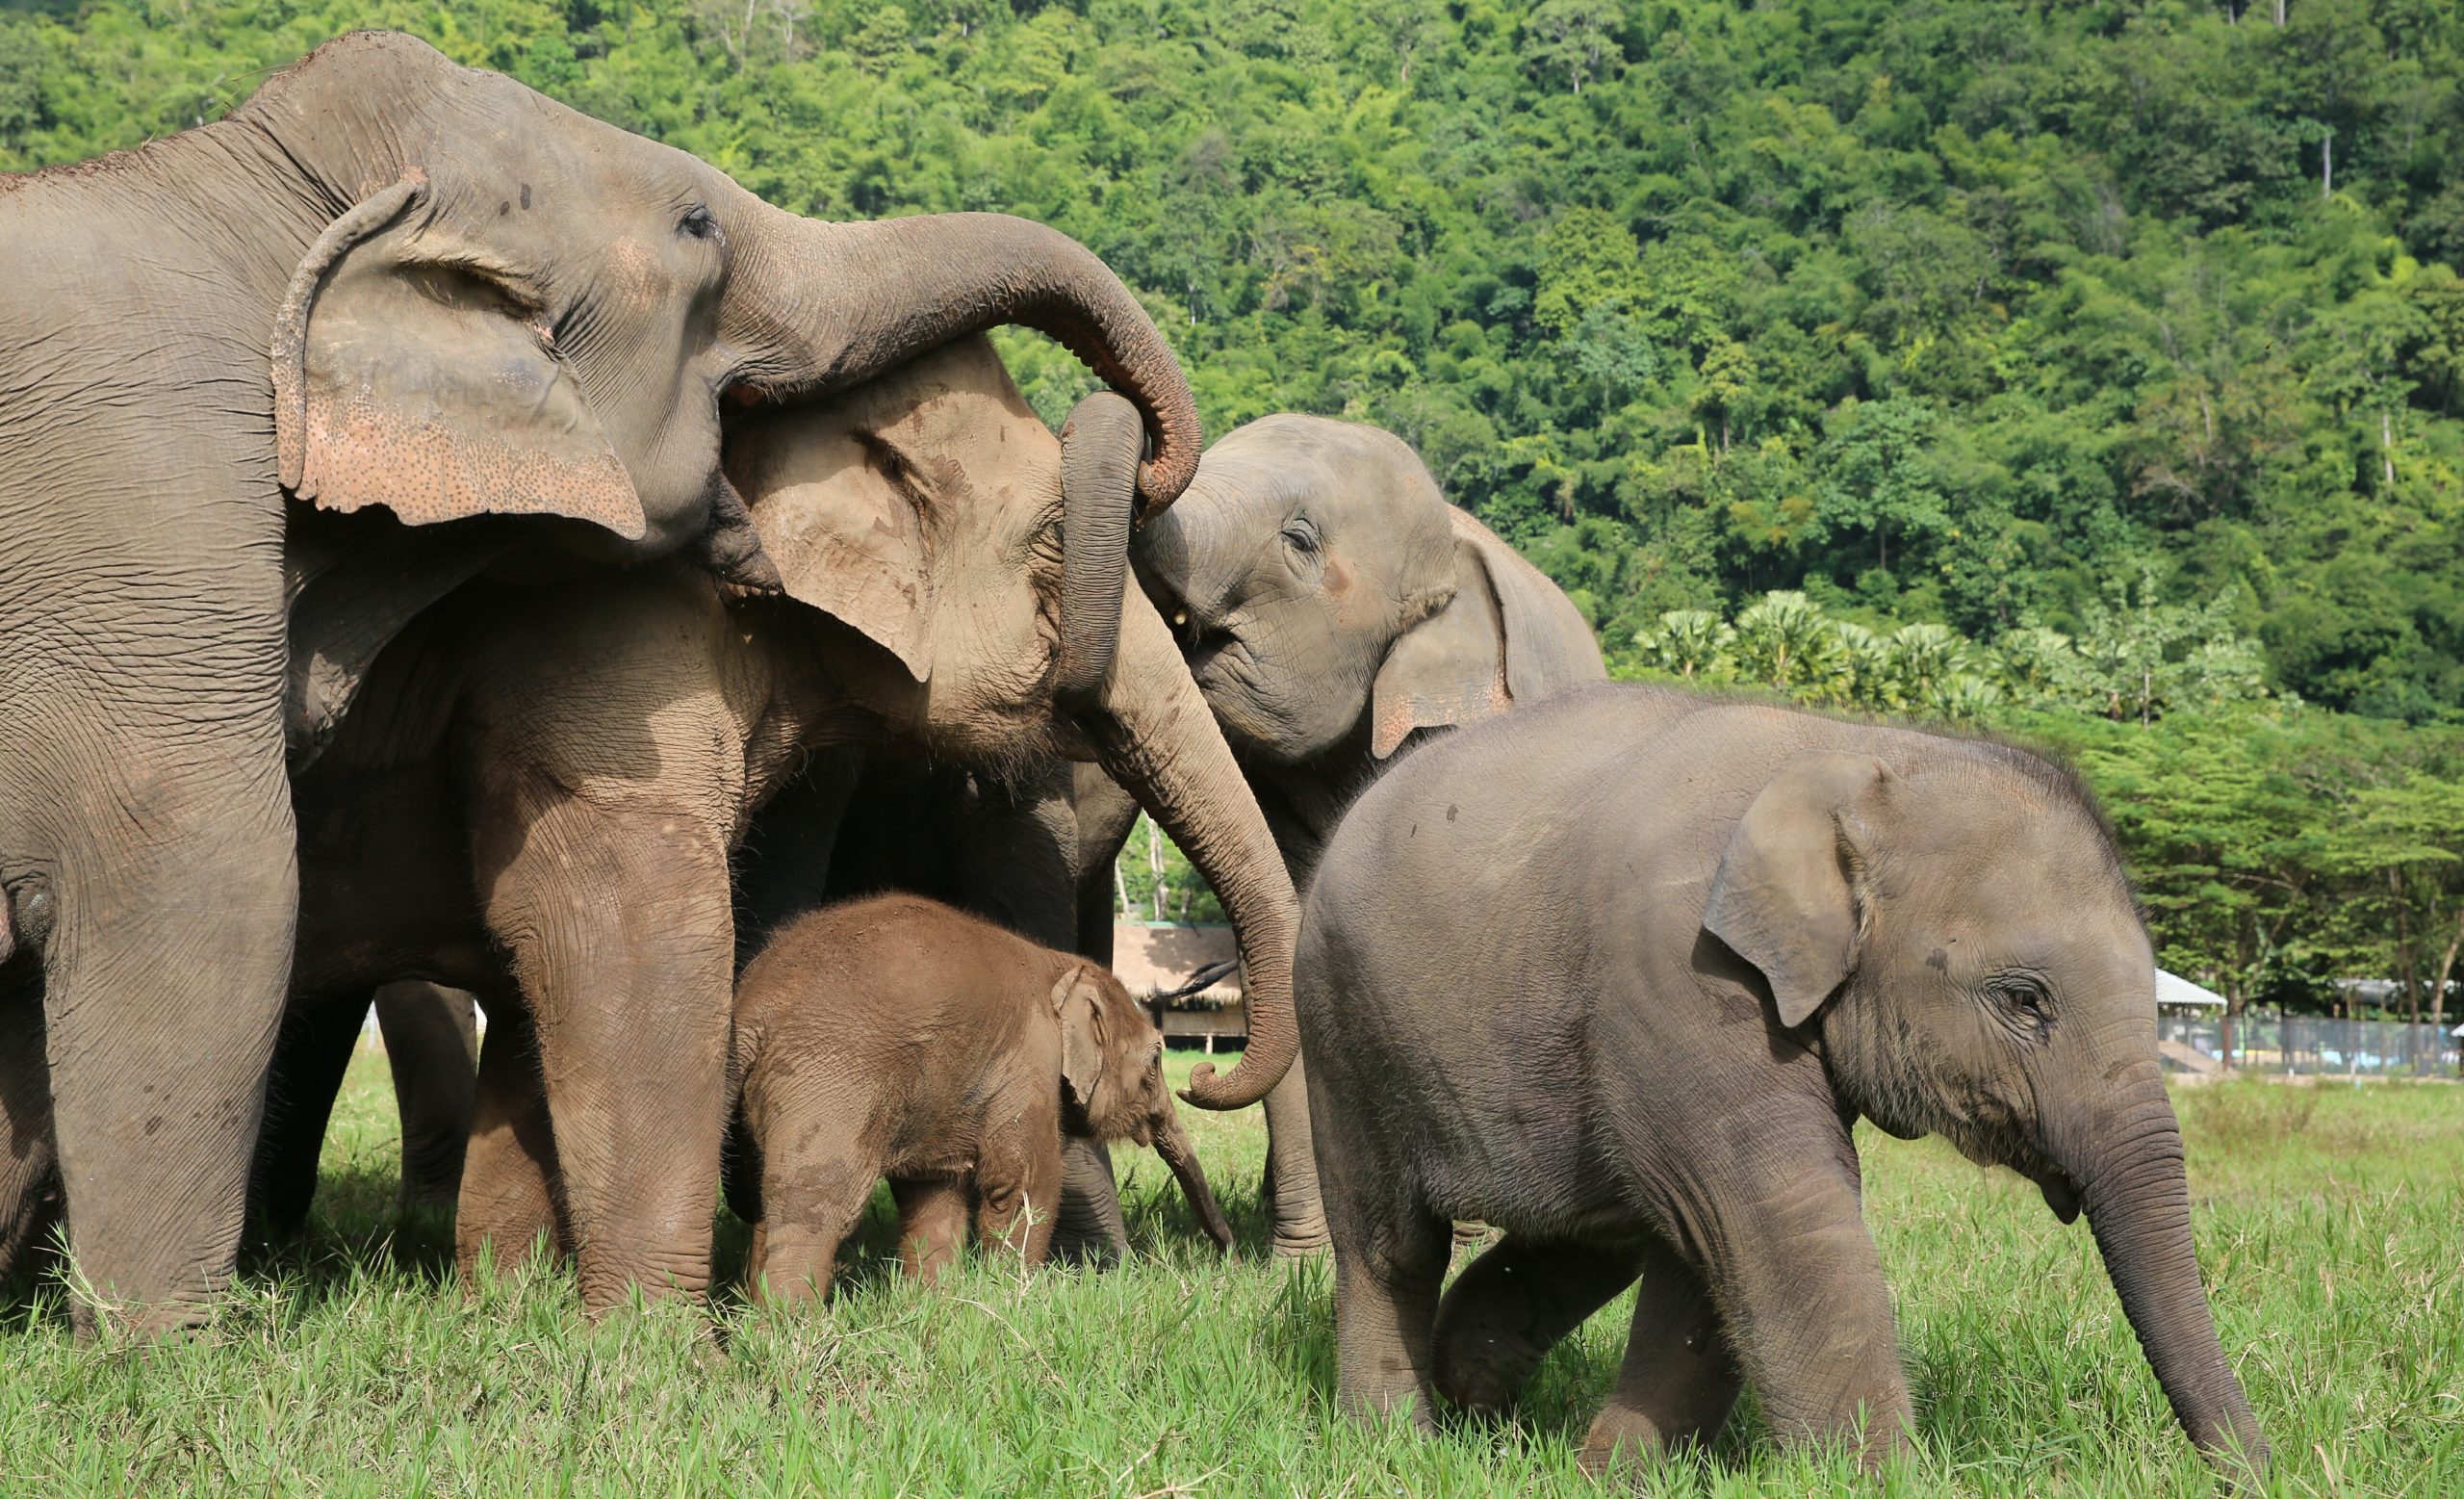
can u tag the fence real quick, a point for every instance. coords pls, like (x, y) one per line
(2309, 1045)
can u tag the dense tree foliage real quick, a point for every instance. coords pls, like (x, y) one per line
(2099, 363)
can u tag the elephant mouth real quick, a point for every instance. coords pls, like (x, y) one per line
(2061, 1193)
(1202, 640)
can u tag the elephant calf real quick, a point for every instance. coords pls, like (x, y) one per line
(896, 1037)
(1618, 972)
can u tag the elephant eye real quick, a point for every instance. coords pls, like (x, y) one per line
(2024, 1002)
(698, 223)
(1302, 536)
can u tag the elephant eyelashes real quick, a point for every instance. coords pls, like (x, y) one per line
(698, 225)
(1302, 537)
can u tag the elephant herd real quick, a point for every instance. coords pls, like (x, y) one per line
(451, 547)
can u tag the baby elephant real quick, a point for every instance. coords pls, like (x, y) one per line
(1617, 971)
(895, 1037)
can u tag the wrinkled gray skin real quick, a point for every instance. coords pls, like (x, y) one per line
(1618, 974)
(1335, 611)
(404, 285)
(539, 795)
(1005, 852)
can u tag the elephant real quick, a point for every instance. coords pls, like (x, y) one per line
(1617, 974)
(1011, 850)
(1336, 611)
(540, 794)
(277, 385)
(897, 1037)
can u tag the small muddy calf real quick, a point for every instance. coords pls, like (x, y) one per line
(895, 1037)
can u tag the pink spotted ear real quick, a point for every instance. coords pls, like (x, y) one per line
(410, 372)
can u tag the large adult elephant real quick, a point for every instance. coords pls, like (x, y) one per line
(384, 283)
(1335, 610)
(560, 776)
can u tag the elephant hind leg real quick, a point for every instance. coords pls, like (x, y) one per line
(808, 1212)
(1511, 1305)
(431, 1046)
(1680, 1376)
(1388, 1266)
(311, 1054)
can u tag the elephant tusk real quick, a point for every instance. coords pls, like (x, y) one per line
(1180, 617)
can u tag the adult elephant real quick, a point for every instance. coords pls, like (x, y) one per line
(384, 283)
(559, 776)
(1335, 610)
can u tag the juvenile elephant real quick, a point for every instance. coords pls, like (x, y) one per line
(383, 283)
(1335, 610)
(896, 1037)
(1617, 974)
(541, 790)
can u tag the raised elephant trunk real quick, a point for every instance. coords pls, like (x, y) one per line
(2138, 1202)
(1172, 1143)
(1100, 454)
(822, 306)
(1154, 735)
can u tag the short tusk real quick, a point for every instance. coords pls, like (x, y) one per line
(1180, 616)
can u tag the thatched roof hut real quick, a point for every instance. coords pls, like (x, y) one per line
(1161, 958)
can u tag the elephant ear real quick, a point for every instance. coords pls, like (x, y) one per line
(410, 372)
(1507, 636)
(1786, 896)
(1079, 1007)
(834, 513)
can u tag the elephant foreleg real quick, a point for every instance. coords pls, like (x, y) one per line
(622, 934)
(1090, 1229)
(164, 986)
(932, 1226)
(1808, 1310)
(1017, 1185)
(29, 1170)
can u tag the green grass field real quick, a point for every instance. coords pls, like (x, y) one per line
(2330, 1220)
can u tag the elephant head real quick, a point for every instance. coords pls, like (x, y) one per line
(1964, 942)
(965, 573)
(1322, 587)
(510, 307)
(1112, 1082)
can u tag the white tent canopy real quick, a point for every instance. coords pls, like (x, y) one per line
(2172, 989)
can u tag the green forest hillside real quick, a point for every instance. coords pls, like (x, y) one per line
(2088, 369)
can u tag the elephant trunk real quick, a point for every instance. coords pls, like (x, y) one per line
(1172, 1143)
(2136, 1199)
(1099, 452)
(1153, 734)
(818, 306)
